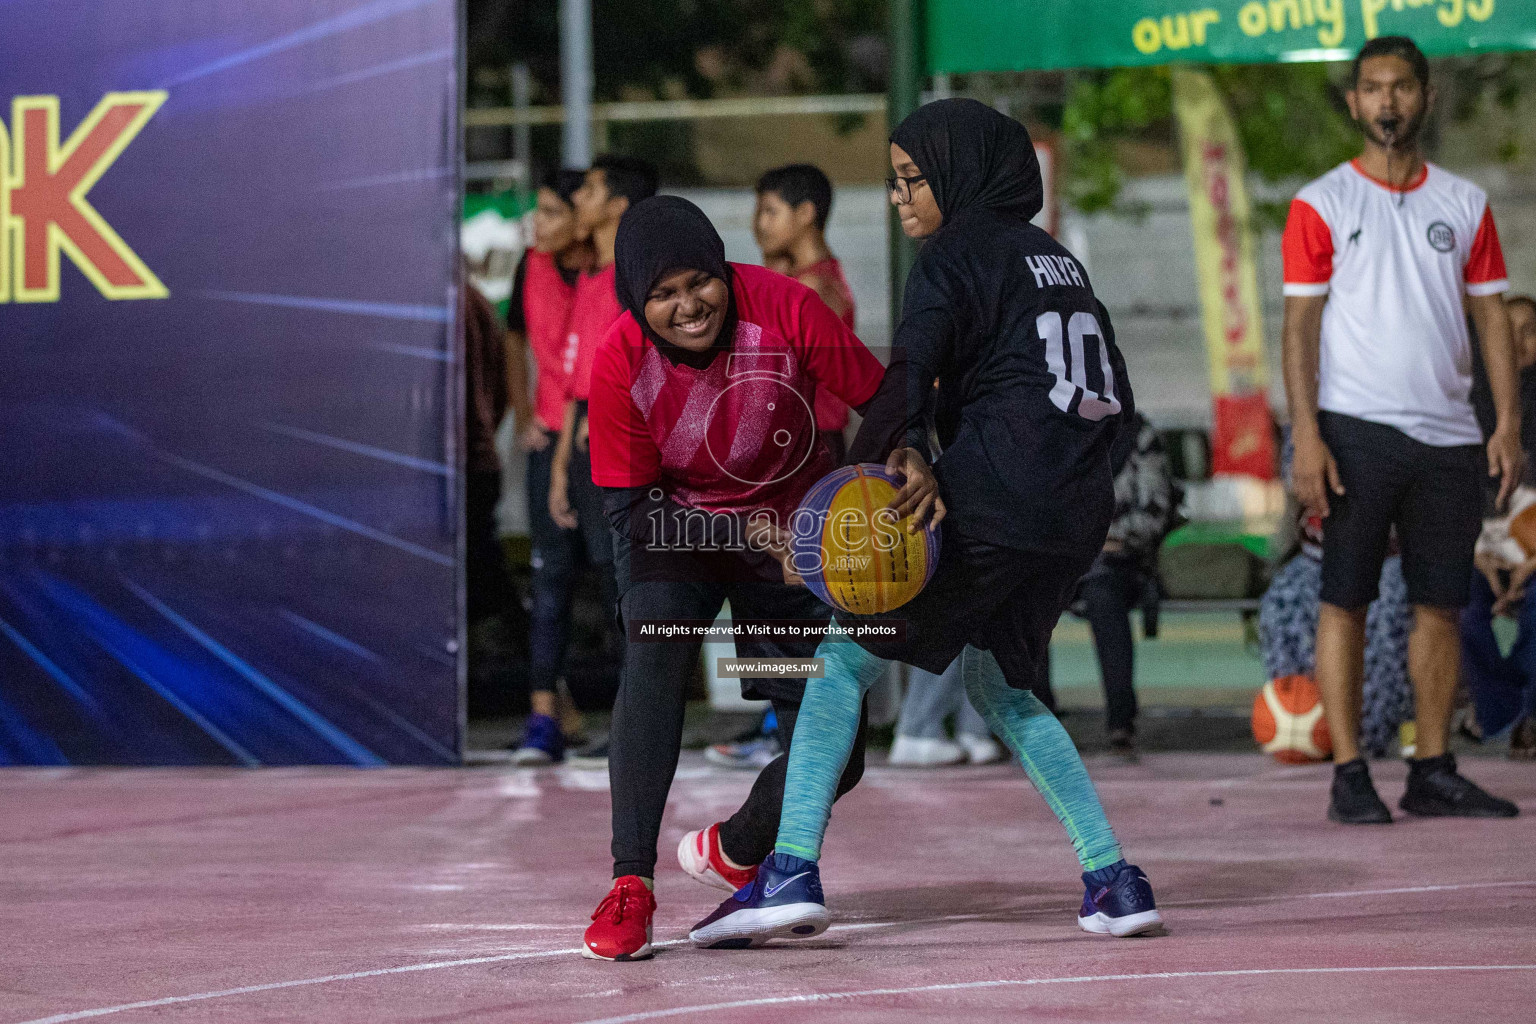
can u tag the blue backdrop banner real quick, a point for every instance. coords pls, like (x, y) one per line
(229, 417)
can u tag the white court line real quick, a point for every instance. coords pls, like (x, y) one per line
(851, 926)
(1356, 892)
(269, 986)
(489, 927)
(957, 986)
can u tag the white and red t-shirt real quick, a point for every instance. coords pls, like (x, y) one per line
(547, 300)
(593, 310)
(1395, 264)
(739, 434)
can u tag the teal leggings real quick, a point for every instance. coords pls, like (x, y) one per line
(829, 717)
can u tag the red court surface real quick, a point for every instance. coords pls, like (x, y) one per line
(459, 896)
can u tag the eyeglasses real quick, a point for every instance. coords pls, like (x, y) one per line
(901, 188)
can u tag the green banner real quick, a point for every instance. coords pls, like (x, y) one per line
(1015, 35)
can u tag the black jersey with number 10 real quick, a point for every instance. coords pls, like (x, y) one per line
(1032, 390)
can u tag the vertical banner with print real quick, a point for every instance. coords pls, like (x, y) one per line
(1242, 440)
(229, 412)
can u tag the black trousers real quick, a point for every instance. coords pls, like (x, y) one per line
(558, 556)
(1108, 593)
(647, 729)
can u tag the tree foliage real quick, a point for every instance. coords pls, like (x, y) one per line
(694, 48)
(1291, 118)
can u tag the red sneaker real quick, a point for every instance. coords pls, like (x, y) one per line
(621, 924)
(699, 855)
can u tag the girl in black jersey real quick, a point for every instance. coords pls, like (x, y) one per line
(1031, 396)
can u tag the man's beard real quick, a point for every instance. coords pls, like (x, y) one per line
(1394, 132)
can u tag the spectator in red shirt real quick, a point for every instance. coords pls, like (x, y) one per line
(701, 421)
(790, 223)
(538, 317)
(611, 187)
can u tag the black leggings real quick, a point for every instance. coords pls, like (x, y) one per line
(557, 561)
(748, 835)
(647, 729)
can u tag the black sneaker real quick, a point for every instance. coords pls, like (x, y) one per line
(1122, 743)
(1435, 790)
(1353, 800)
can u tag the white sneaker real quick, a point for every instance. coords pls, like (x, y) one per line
(981, 749)
(917, 752)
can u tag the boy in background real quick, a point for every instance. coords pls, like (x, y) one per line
(538, 322)
(790, 223)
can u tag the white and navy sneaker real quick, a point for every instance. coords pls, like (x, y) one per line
(784, 901)
(1118, 901)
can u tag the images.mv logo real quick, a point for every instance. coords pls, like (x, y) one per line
(44, 210)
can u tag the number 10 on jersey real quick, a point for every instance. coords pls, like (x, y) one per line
(1071, 392)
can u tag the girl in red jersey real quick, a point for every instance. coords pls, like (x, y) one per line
(701, 417)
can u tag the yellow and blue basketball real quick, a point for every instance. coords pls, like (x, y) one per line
(851, 551)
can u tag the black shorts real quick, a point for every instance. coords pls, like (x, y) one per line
(1433, 495)
(995, 598)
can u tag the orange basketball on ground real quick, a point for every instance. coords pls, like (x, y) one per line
(1288, 721)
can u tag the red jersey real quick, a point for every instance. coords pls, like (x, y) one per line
(831, 413)
(547, 300)
(739, 434)
(594, 310)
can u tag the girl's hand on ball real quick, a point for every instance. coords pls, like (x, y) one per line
(919, 494)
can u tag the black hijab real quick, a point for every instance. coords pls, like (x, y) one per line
(973, 156)
(660, 236)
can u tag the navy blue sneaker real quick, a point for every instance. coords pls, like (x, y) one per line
(783, 902)
(1120, 905)
(542, 742)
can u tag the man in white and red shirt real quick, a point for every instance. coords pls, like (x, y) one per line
(1384, 257)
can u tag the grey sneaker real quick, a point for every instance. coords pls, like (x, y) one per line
(593, 755)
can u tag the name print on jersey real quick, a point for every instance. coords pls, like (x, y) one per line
(1055, 270)
(43, 205)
